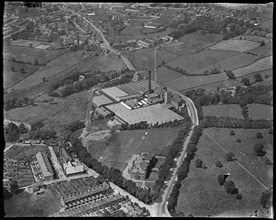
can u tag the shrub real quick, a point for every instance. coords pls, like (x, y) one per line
(198, 163)
(268, 162)
(258, 148)
(22, 70)
(265, 199)
(270, 131)
(221, 179)
(232, 133)
(259, 135)
(238, 140)
(262, 43)
(230, 156)
(230, 187)
(218, 164)
(238, 196)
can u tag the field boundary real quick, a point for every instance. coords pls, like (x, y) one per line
(236, 161)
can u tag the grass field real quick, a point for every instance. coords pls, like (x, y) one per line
(164, 74)
(189, 82)
(259, 111)
(10, 78)
(29, 205)
(22, 151)
(235, 45)
(254, 38)
(230, 63)
(263, 73)
(193, 62)
(61, 63)
(259, 65)
(265, 50)
(128, 143)
(132, 31)
(201, 194)
(29, 54)
(268, 24)
(194, 42)
(223, 84)
(230, 110)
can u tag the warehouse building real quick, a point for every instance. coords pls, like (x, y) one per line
(45, 166)
(101, 100)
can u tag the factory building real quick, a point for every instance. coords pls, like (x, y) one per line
(45, 166)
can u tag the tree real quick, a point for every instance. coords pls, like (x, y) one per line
(259, 135)
(258, 148)
(6, 193)
(198, 163)
(265, 199)
(230, 74)
(221, 179)
(270, 131)
(218, 164)
(232, 133)
(238, 140)
(246, 81)
(258, 77)
(22, 129)
(230, 156)
(230, 187)
(14, 188)
(22, 70)
(262, 43)
(238, 196)
(12, 69)
(36, 62)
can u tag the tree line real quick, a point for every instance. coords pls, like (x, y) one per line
(17, 103)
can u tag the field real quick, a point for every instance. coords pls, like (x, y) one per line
(212, 87)
(132, 31)
(106, 63)
(263, 73)
(259, 65)
(193, 62)
(23, 151)
(268, 24)
(235, 45)
(259, 111)
(10, 77)
(194, 42)
(144, 59)
(189, 82)
(265, 50)
(254, 38)
(29, 54)
(58, 65)
(30, 205)
(230, 110)
(201, 194)
(230, 63)
(128, 143)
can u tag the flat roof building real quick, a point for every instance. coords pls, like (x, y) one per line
(45, 166)
(101, 100)
(114, 92)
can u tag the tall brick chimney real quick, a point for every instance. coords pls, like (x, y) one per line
(149, 81)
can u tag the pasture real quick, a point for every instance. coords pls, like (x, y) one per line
(12, 77)
(194, 42)
(254, 38)
(24, 151)
(230, 110)
(193, 62)
(119, 152)
(212, 87)
(259, 65)
(259, 111)
(54, 67)
(264, 51)
(30, 205)
(268, 24)
(190, 82)
(235, 45)
(230, 63)
(201, 194)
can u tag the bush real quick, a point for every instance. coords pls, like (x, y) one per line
(230, 156)
(218, 164)
(230, 74)
(262, 43)
(221, 179)
(265, 199)
(270, 131)
(238, 196)
(12, 69)
(230, 187)
(232, 133)
(238, 140)
(268, 162)
(258, 148)
(22, 70)
(198, 163)
(259, 135)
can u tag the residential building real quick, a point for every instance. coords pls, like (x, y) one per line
(45, 166)
(72, 168)
(140, 169)
(143, 43)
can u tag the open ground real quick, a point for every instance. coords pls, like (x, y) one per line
(235, 45)
(24, 151)
(230, 110)
(201, 193)
(264, 51)
(119, 152)
(259, 111)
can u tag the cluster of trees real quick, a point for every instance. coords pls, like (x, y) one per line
(218, 164)
(125, 77)
(185, 29)
(183, 172)
(17, 103)
(14, 190)
(12, 132)
(265, 199)
(74, 126)
(184, 72)
(229, 186)
(230, 74)
(228, 122)
(42, 134)
(259, 150)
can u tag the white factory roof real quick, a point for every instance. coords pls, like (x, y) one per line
(114, 92)
(44, 164)
(151, 114)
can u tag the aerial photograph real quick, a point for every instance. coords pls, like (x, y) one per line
(137, 109)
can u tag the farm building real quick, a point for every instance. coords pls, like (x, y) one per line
(102, 112)
(45, 166)
(143, 43)
(140, 168)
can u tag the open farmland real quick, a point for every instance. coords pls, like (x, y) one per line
(254, 38)
(132, 31)
(29, 54)
(189, 82)
(265, 50)
(201, 194)
(268, 24)
(230, 63)
(119, 152)
(230, 110)
(31, 205)
(259, 65)
(55, 66)
(266, 75)
(225, 84)
(193, 62)
(12, 77)
(235, 45)
(194, 42)
(259, 111)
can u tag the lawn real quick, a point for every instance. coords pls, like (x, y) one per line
(264, 51)
(201, 195)
(259, 111)
(229, 110)
(230, 63)
(259, 65)
(10, 77)
(235, 45)
(128, 143)
(193, 62)
(22, 151)
(190, 82)
(55, 66)
(30, 205)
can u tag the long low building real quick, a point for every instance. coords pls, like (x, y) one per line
(151, 114)
(45, 166)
